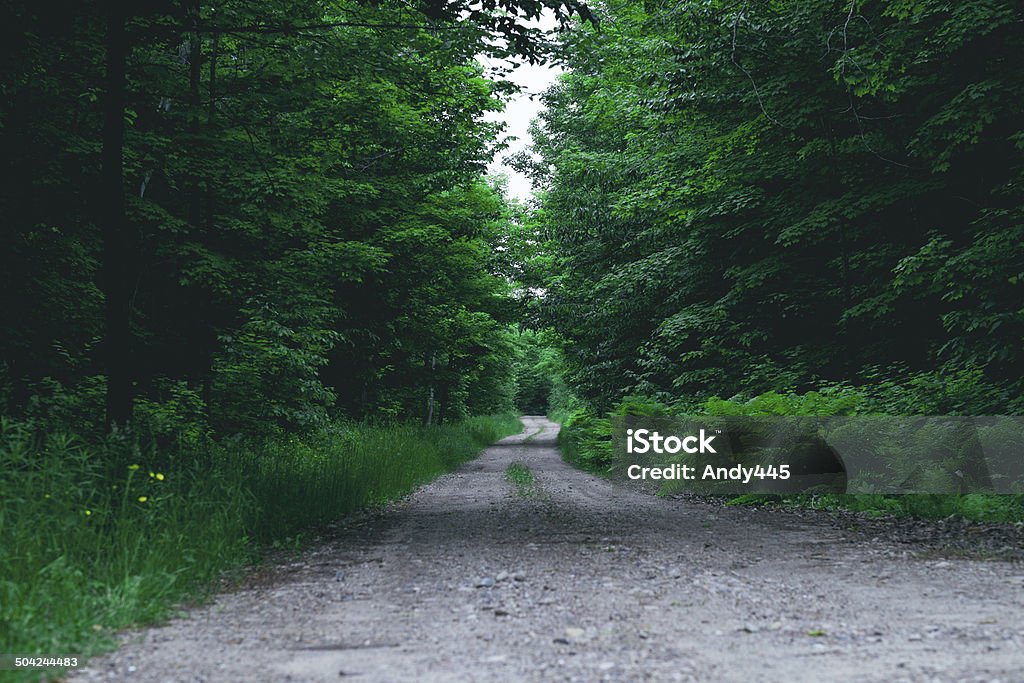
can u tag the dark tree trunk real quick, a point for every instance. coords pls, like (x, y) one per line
(119, 240)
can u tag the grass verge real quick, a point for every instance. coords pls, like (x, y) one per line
(97, 537)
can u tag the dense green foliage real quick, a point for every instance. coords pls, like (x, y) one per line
(308, 230)
(90, 548)
(751, 197)
(809, 207)
(539, 368)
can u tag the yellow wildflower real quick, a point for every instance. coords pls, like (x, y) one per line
(159, 476)
(87, 512)
(133, 467)
(143, 499)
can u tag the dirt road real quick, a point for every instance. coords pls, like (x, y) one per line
(586, 581)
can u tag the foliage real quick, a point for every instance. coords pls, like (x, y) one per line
(313, 230)
(808, 208)
(586, 441)
(303, 265)
(538, 373)
(561, 401)
(752, 197)
(91, 547)
(826, 403)
(267, 376)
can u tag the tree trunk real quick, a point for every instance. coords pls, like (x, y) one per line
(120, 248)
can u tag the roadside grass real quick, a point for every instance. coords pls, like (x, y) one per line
(302, 482)
(975, 507)
(978, 507)
(97, 537)
(520, 476)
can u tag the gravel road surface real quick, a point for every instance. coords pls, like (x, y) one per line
(586, 580)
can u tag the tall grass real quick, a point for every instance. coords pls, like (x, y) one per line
(96, 537)
(303, 482)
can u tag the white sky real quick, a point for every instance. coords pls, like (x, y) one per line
(519, 112)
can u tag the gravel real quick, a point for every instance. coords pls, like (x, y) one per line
(595, 581)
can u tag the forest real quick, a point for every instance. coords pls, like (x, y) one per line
(796, 208)
(254, 275)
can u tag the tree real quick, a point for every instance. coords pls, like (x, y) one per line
(258, 192)
(750, 196)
